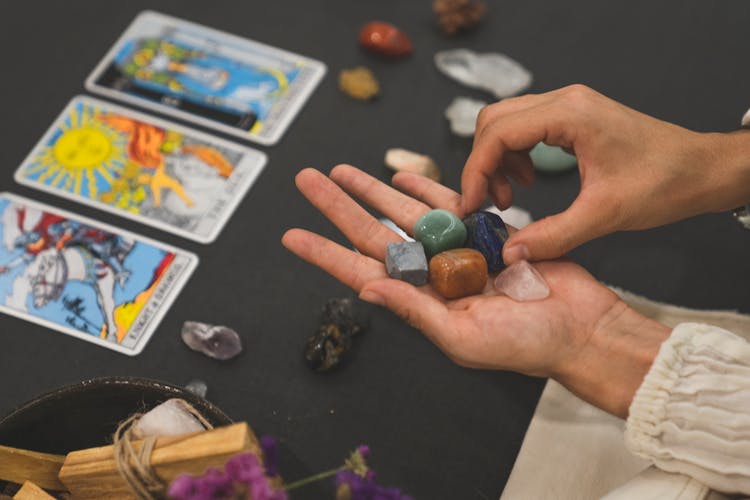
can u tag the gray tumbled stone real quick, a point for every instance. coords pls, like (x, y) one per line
(406, 261)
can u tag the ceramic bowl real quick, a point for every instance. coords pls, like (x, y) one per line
(86, 414)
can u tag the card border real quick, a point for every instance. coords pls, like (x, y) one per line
(319, 71)
(180, 282)
(221, 222)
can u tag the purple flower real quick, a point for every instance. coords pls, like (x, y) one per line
(182, 488)
(363, 450)
(247, 469)
(244, 468)
(350, 486)
(270, 449)
(214, 484)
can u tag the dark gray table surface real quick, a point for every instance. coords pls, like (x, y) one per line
(437, 430)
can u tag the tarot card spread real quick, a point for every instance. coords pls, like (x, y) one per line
(84, 278)
(148, 170)
(218, 80)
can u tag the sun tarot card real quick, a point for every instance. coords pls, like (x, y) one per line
(136, 166)
(218, 80)
(89, 280)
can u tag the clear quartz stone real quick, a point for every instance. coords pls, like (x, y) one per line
(218, 342)
(197, 387)
(167, 419)
(462, 114)
(521, 282)
(493, 72)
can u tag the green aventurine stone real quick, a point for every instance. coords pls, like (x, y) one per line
(439, 230)
(551, 158)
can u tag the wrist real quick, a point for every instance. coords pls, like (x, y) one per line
(727, 183)
(613, 363)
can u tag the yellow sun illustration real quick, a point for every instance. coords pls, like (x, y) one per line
(83, 152)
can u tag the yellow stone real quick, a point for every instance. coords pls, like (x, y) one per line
(359, 83)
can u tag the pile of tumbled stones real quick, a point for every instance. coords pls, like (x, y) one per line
(454, 256)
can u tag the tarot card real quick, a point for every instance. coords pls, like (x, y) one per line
(89, 280)
(136, 166)
(218, 80)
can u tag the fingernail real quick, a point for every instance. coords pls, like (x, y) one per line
(372, 298)
(516, 253)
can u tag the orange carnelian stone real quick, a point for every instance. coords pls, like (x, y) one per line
(458, 273)
(385, 39)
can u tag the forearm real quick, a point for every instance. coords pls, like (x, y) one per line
(611, 366)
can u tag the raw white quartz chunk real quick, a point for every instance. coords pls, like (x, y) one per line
(462, 114)
(512, 216)
(168, 419)
(521, 282)
(493, 72)
(403, 160)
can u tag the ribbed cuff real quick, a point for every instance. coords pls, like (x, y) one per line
(691, 414)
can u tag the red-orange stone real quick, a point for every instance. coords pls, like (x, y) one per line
(458, 273)
(385, 39)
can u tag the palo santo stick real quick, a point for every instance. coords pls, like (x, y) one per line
(18, 466)
(92, 473)
(30, 491)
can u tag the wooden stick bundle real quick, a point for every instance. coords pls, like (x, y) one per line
(92, 473)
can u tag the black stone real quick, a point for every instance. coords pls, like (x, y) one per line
(326, 349)
(340, 320)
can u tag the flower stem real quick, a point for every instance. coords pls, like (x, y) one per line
(312, 479)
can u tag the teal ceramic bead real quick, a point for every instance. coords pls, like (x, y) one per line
(551, 158)
(439, 230)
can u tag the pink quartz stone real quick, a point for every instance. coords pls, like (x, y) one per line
(521, 282)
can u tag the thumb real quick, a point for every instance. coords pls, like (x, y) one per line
(556, 235)
(419, 309)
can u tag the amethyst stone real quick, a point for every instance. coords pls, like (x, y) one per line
(218, 342)
(486, 232)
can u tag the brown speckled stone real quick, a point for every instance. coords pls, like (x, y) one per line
(458, 273)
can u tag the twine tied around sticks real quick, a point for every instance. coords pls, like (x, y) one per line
(135, 466)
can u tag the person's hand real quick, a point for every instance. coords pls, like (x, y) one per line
(582, 334)
(636, 171)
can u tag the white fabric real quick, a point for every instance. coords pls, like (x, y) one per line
(654, 484)
(691, 414)
(547, 470)
(572, 450)
(746, 119)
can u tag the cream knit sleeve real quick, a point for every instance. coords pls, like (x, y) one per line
(691, 415)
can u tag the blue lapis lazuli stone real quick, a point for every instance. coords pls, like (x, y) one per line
(487, 233)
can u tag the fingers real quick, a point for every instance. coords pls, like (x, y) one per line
(364, 231)
(518, 126)
(428, 191)
(516, 132)
(500, 190)
(352, 269)
(401, 209)
(554, 236)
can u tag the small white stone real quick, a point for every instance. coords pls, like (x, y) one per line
(512, 216)
(392, 225)
(463, 113)
(521, 282)
(403, 160)
(168, 419)
(493, 72)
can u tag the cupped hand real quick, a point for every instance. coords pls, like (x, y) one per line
(636, 171)
(568, 335)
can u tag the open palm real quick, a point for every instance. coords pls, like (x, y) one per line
(482, 331)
